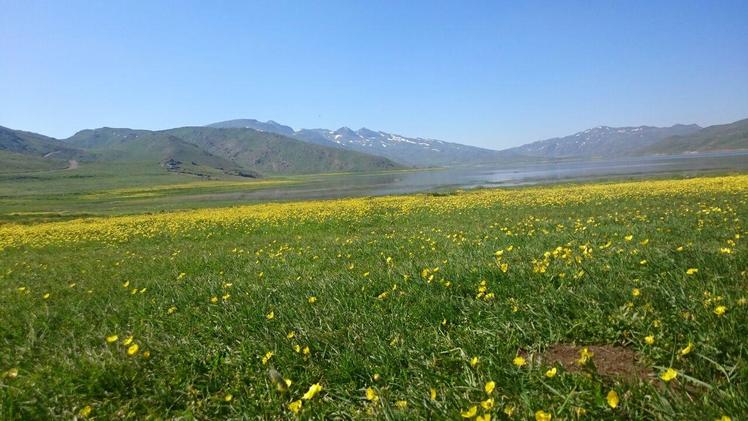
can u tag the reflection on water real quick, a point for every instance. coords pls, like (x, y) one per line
(333, 186)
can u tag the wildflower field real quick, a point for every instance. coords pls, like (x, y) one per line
(594, 301)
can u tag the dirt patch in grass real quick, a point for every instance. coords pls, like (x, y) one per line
(608, 360)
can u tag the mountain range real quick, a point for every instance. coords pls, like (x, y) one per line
(251, 148)
(604, 142)
(416, 152)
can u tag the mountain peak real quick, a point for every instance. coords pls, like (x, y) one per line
(408, 151)
(269, 126)
(367, 132)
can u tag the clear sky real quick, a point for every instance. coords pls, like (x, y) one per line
(493, 73)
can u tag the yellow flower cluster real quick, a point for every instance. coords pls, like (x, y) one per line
(113, 230)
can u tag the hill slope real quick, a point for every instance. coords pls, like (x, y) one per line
(169, 151)
(602, 142)
(419, 152)
(36, 145)
(273, 153)
(243, 151)
(723, 137)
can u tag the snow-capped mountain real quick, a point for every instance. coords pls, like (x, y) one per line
(603, 141)
(418, 152)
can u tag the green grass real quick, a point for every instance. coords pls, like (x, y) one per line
(100, 189)
(381, 323)
(14, 163)
(112, 188)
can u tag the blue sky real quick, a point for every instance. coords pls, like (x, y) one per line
(494, 74)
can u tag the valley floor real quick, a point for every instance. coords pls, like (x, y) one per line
(596, 301)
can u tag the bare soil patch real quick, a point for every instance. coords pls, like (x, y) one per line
(609, 360)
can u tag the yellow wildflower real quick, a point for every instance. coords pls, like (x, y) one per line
(270, 316)
(470, 413)
(487, 404)
(484, 417)
(228, 398)
(295, 406)
(613, 399)
(584, 356)
(669, 375)
(401, 404)
(313, 390)
(133, 349)
(649, 340)
(551, 373)
(112, 338)
(489, 387)
(267, 357)
(312, 300)
(85, 411)
(474, 361)
(691, 271)
(519, 361)
(127, 341)
(720, 310)
(541, 415)
(371, 395)
(635, 292)
(687, 350)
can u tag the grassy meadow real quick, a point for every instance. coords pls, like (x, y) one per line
(449, 306)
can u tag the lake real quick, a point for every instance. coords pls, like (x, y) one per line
(511, 174)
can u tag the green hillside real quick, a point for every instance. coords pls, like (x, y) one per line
(723, 137)
(103, 138)
(164, 149)
(201, 151)
(36, 145)
(11, 162)
(276, 154)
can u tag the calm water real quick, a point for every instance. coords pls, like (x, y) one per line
(495, 175)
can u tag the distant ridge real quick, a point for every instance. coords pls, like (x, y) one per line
(420, 152)
(252, 148)
(200, 151)
(228, 150)
(722, 137)
(603, 142)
